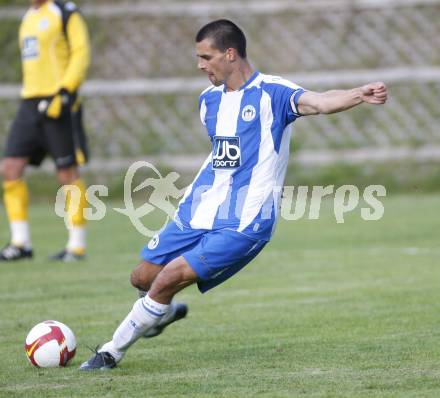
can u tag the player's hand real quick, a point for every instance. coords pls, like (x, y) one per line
(58, 106)
(374, 93)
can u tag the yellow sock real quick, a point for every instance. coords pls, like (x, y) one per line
(75, 205)
(75, 208)
(16, 199)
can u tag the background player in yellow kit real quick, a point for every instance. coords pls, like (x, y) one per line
(55, 55)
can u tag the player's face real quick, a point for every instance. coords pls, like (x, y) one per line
(37, 3)
(213, 62)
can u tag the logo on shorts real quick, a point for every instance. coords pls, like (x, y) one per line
(152, 244)
(65, 160)
(248, 113)
(226, 153)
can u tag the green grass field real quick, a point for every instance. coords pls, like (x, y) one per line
(327, 310)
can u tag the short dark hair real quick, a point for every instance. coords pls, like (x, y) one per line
(224, 34)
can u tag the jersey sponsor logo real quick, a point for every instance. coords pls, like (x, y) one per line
(248, 113)
(226, 153)
(30, 48)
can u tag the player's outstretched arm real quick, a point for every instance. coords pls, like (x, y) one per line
(312, 103)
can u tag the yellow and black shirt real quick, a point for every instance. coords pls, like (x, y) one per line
(55, 49)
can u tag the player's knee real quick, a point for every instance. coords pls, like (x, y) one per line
(136, 280)
(3, 169)
(12, 169)
(143, 275)
(67, 176)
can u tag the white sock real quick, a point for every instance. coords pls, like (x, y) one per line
(77, 239)
(170, 313)
(20, 235)
(146, 313)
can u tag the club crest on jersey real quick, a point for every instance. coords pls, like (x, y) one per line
(248, 113)
(44, 24)
(226, 153)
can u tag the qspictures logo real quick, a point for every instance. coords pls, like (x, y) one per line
(160, 193)
(162, 190)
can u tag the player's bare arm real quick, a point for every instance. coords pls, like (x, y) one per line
(333, 101)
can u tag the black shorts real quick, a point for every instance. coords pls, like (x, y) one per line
(33, 135)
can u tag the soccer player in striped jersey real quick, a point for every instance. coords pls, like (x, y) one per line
(229, 212)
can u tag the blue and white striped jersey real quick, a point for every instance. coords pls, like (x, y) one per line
(239, 185)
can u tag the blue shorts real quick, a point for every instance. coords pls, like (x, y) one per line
(213, 255)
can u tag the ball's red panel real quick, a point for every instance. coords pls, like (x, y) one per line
(54, 334)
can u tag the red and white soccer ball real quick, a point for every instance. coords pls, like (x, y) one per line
(50, 344)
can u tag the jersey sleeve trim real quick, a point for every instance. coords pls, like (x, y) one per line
(294, 101)
(202, 107)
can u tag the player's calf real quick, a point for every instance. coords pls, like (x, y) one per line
(141, 278)
(174, 277)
